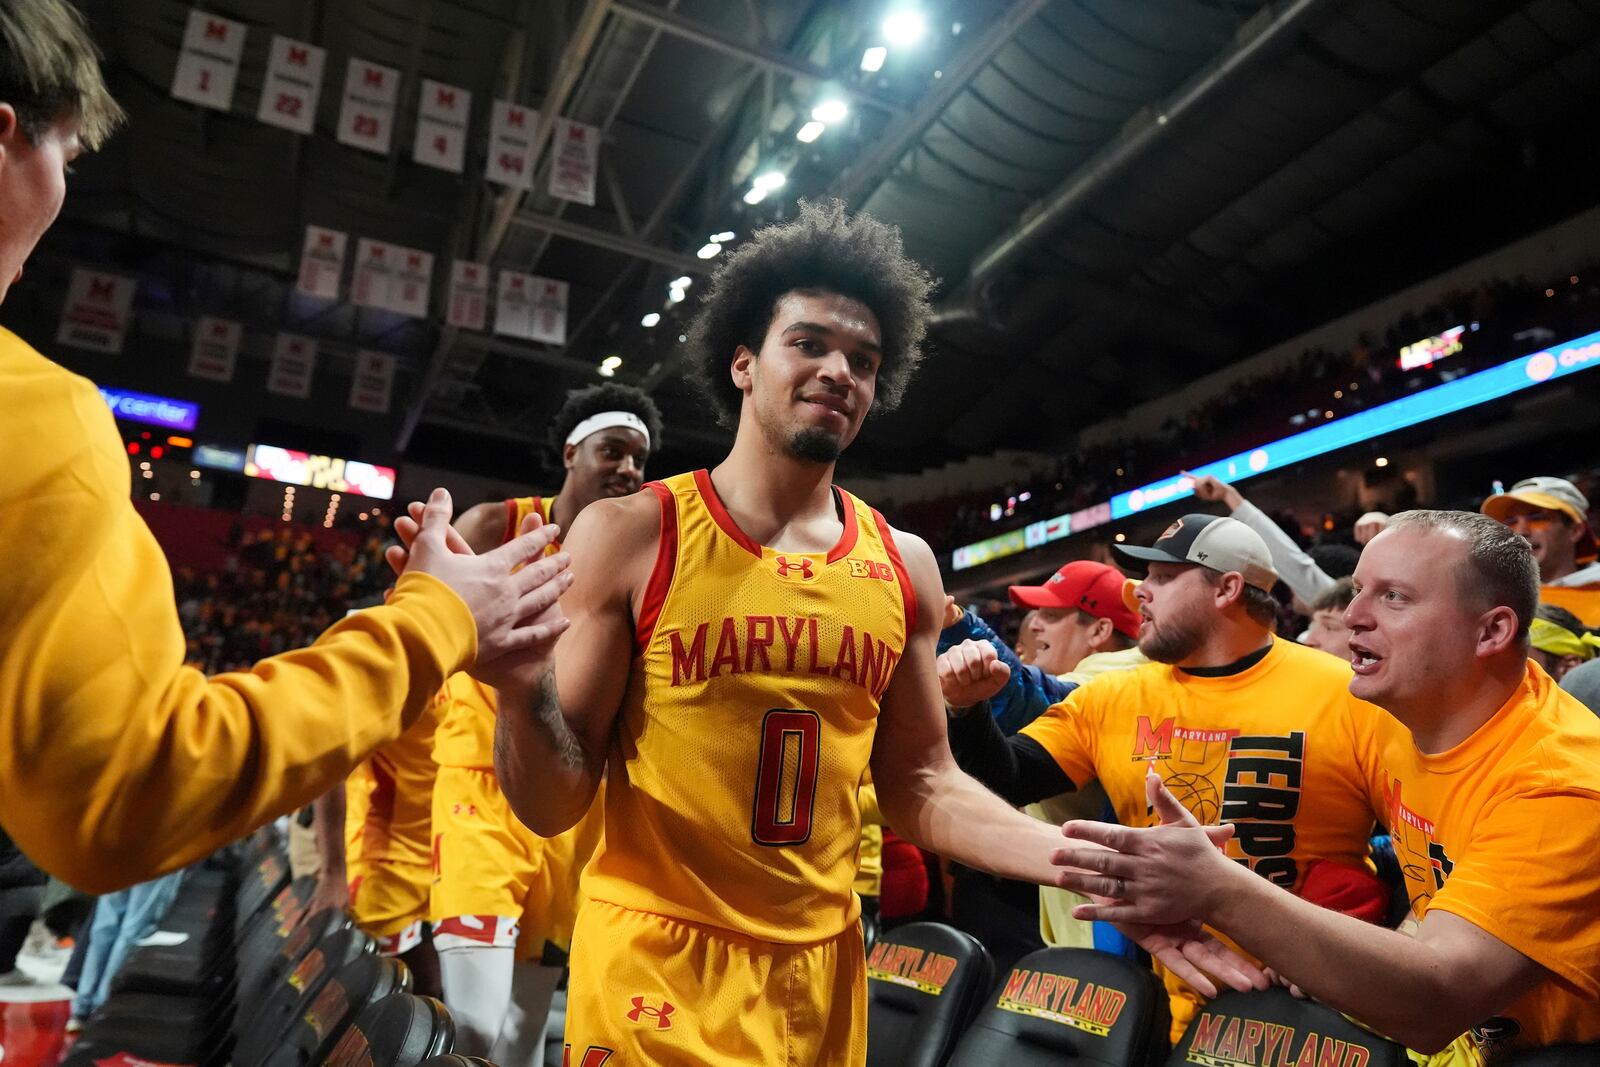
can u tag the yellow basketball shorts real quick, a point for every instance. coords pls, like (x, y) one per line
(494, 880)
(645, 989)
(389, 900)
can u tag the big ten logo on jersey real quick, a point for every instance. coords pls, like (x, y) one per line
(593, 1056)
(1062, 999)
(915, 968)
(1233, 1041)
(870, 568)
(795, 568)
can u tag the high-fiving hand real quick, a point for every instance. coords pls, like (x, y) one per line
(516, 610)
(971, 672)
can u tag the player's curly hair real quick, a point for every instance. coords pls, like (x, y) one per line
(824, 249)
(608, 396)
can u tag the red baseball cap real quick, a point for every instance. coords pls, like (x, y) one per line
(1086, 586)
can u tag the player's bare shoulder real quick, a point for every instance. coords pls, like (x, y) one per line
(614, 540)
(923, 570)
(483, 526)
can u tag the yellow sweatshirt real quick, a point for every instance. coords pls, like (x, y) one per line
(117, 762)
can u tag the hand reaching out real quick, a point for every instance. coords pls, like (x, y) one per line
(1215, 490)
(514, 612)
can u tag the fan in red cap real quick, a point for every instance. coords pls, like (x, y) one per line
(1079, 607)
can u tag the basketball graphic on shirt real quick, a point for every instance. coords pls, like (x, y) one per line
(1198, 793)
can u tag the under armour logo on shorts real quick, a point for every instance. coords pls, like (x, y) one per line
(662, 1015)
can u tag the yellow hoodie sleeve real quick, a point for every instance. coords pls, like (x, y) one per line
(117, 762)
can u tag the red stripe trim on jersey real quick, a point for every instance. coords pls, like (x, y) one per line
(511, 521)
(655, 591)
(847, 540)
(719, 514)
(907, 593)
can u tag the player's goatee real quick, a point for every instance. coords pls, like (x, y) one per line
(815, 446)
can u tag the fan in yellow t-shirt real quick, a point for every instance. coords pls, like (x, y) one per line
(1246, 730)
(1487, 774)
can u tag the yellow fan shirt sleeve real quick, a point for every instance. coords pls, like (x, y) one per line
(117, 762)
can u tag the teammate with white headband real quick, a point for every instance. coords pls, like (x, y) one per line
(503, 900)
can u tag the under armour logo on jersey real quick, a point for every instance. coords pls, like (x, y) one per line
(801, 567)
(662, 1015)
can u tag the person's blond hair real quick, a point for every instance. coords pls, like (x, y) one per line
(50, 70)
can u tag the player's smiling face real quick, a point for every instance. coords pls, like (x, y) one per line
(813, 381)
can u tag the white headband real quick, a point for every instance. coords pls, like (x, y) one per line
(607, 420)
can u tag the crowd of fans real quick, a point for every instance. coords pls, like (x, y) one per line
(1501, 319)
(276, 591)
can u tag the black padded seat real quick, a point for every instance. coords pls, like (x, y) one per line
(925, 982)
(353, 989)
(398, 1031)
(1070, 1005)
(1271, 1026)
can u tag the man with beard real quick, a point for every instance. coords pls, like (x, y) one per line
(1234, 721)
(745, 641)
(502, 896)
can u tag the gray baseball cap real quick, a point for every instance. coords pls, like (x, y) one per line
(1213, 541)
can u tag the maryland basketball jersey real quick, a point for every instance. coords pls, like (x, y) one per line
(389, 797)
(748, 721)
(466, 736)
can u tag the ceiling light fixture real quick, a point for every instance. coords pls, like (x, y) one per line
(872, 59)
(722, 238)
(810, 132)
(830, 111)
(770, 180)
(709, 250)
(904, 27)
(650, 319)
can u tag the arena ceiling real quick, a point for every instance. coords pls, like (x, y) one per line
(1118, 195)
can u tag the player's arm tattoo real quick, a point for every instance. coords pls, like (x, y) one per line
(553, 723)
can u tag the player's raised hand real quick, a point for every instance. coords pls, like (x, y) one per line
(1370, 525)
(511, 610)
(952, 611)
(970, 672)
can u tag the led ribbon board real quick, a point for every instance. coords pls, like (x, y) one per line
(320, 472)
(1513, 376)
(151, 410)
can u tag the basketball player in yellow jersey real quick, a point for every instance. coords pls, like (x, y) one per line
(501, 892)
(744, 643)
(376, 849)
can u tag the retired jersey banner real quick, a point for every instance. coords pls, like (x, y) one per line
(215, 349)
(97, 310)
(208, 62)
(391, 278)
(469, 295)
(442, 116)
(294, 361)
(366, 117)
(373, 382)
(321, 263)
(531, 307)
(575, 157)
(510, 159)
(293, 84)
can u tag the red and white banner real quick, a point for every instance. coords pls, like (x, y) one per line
(293, 84)
(469, 295)
(294, 361)
(575, 159)
(97, 311)
(215, 348)
(391, 278)
(321, 263)
(366, 117)
(510, 160)
(208, 62)
(442, 116)
(373, 382)
(531, 307)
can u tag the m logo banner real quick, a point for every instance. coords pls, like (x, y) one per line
(208, 63)
(215, 348)
(366, 118)
(321, 263)
(97, 310)
(292, 86)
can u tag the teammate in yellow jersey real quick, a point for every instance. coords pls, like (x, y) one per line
(376, 850)
(501, 892)
(744, 643)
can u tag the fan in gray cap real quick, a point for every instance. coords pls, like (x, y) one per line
(1213, 541)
